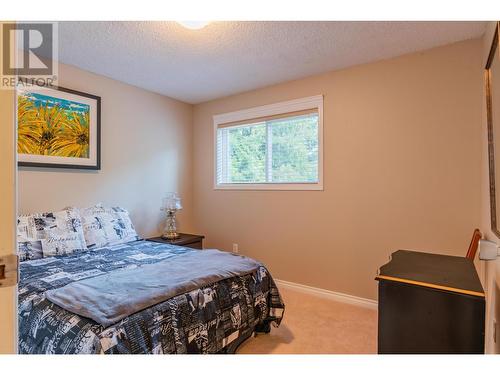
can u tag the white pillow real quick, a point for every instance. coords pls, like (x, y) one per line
(49, 234)
(106, 226)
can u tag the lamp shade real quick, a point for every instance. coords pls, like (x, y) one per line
(171, 202)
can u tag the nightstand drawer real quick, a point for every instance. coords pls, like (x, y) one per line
(195, 245)
(193, 241)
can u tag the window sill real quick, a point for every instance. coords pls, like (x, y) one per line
(271, 186)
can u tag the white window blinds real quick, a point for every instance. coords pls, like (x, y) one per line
(277, 149)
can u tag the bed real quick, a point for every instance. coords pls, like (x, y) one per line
(212, 318)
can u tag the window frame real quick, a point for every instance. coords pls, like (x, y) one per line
(311, 102)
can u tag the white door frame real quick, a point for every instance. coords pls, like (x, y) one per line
(8, 212)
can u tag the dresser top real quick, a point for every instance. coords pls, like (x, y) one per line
(445, 272)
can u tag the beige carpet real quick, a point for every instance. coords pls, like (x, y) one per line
(314, 325)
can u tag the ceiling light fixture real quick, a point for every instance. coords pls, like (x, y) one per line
(193, 25)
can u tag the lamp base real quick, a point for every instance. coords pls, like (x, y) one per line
(170, 230)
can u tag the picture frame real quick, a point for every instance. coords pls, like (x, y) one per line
(58, 128)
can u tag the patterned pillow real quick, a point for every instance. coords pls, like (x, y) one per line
(49, 234)
(106, 226)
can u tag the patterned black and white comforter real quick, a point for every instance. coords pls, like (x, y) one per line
(204, 320)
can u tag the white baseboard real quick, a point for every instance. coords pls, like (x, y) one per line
(329, 294)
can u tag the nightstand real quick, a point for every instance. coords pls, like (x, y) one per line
(194, 241)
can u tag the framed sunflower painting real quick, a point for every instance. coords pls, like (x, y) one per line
(58, 128)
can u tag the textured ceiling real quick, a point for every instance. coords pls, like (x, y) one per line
(225, 58)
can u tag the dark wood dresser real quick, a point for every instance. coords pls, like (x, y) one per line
(194, 241)
(430, 303)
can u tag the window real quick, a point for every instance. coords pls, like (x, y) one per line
(278, 146)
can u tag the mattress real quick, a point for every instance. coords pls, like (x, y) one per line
(208, 319)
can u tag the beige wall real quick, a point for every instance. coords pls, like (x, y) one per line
(146, 151)
(491, 269)
(402, 153)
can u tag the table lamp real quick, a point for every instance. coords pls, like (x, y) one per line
(171, 204)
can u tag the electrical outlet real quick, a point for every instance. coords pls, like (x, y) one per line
(235, 248)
